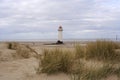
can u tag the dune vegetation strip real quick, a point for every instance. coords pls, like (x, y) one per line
(99, 50)
(59, 60)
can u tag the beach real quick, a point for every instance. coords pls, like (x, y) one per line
(17, 68)
(24, 69)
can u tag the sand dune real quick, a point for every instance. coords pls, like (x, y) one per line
(12, 68)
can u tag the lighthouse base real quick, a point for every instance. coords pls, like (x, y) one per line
(59, 42)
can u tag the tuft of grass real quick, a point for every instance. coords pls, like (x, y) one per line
(90, 74)
(117, 72)
(101, 50)
(79, 51)
(116, 45)
(23, 52)
(13, 45)
(55, 60)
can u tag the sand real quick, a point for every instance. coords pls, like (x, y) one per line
(25, 69)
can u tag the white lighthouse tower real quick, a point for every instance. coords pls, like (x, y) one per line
(60, 30)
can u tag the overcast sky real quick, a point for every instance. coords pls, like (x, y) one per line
(40, 19)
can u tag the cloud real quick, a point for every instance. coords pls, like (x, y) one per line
(40, 19)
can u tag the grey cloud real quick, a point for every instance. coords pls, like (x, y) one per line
(44, 16)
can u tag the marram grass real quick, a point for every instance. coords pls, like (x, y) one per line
(90, 74)
(56, 60)
(99, 50)
(23, 52)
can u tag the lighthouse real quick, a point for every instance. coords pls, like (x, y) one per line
(60, 30)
